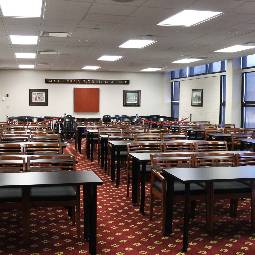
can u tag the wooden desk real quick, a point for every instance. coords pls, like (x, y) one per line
(140, 160)
(219, 136)
(207, 175)
(88, 179)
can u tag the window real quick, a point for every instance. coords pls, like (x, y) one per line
(222, 99)
(217, 67)
(197, 70)
(175, 98)
(248, 61)
(248, 100)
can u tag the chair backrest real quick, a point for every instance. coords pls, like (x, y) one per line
(11, 148)
(164, 160)
(175, 136)
(12, 163)
(42, 148)
(245, 159)
(211, 146)
(12, 138)
(144, 147)
(236, 139)
(63, 162)
(208, 159)
(46, 138)
(179, 145)
(147, 137)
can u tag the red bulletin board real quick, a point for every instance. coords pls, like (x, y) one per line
(86, 99)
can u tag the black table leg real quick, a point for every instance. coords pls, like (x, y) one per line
(90, 216)
(88, 138)
(135, 180)
(168, 206)
(79, 137)
(186, 218)
(209, 206)
(118, 168)
(101, 154)
(92, 148)
(143, 177)
(106, 157)
(113, 163)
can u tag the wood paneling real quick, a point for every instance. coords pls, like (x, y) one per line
(86, 100)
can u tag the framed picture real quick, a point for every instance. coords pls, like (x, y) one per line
(197, 97)
(131, 97)
(38, 97)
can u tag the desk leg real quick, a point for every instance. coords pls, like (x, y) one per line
(118, 168)
(185, 243)
(102, 150)
(25, 211)
(88, 146)
(209, 206)
(168, 203)
(106, 157)
(143, 177)
(135, 180)
(92, 148)
(79, 137)
(113, 163)
(90, 216)
(253, 205)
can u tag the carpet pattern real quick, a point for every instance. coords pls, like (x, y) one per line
(122, 230)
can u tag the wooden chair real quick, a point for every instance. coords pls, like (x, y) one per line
(40, 147)
(222, 190)
(178, 145)
(147, 137)
(236, 140)
(11, 148)
(175, 136)
(46, 138)
(15, 138)
(158, 183)
(12, 163)
(211, 146)
(139, 147)
(245, 159)
(55, 196)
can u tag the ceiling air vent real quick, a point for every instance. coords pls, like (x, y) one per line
(123, 1)
(55, 34)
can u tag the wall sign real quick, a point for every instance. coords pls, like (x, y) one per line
(87, 81)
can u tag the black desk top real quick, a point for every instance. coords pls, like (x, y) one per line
(48, 178)
(212, 173)
(219, 134)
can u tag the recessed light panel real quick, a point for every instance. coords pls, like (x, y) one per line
(186, 60)
(24, 39)
(109, 58)
(189, 18)
(136, 44)
(55, 34)
(25, 55)
(26, 66)
(151, 69)
(21, 8)
(48, 52)
(91, 67)
(236, 48)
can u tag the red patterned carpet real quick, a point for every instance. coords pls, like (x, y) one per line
(122, 230)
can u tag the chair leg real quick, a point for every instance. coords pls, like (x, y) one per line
(128, 183)
(233, 207)
(151, 205)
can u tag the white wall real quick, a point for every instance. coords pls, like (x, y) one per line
(154, 88)
(211, 98)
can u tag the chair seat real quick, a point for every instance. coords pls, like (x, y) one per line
(51, 192)
(10, 194)
(179, 187)
(221, 187)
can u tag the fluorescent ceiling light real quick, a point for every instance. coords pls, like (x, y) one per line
(21, 8)
(26, 66)
(189, 18)
(186, 60)
(136, 44)
(151, 69)
(91, 67)
(24, 39)
(236, 48)
(25, 55)
(109, 58)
